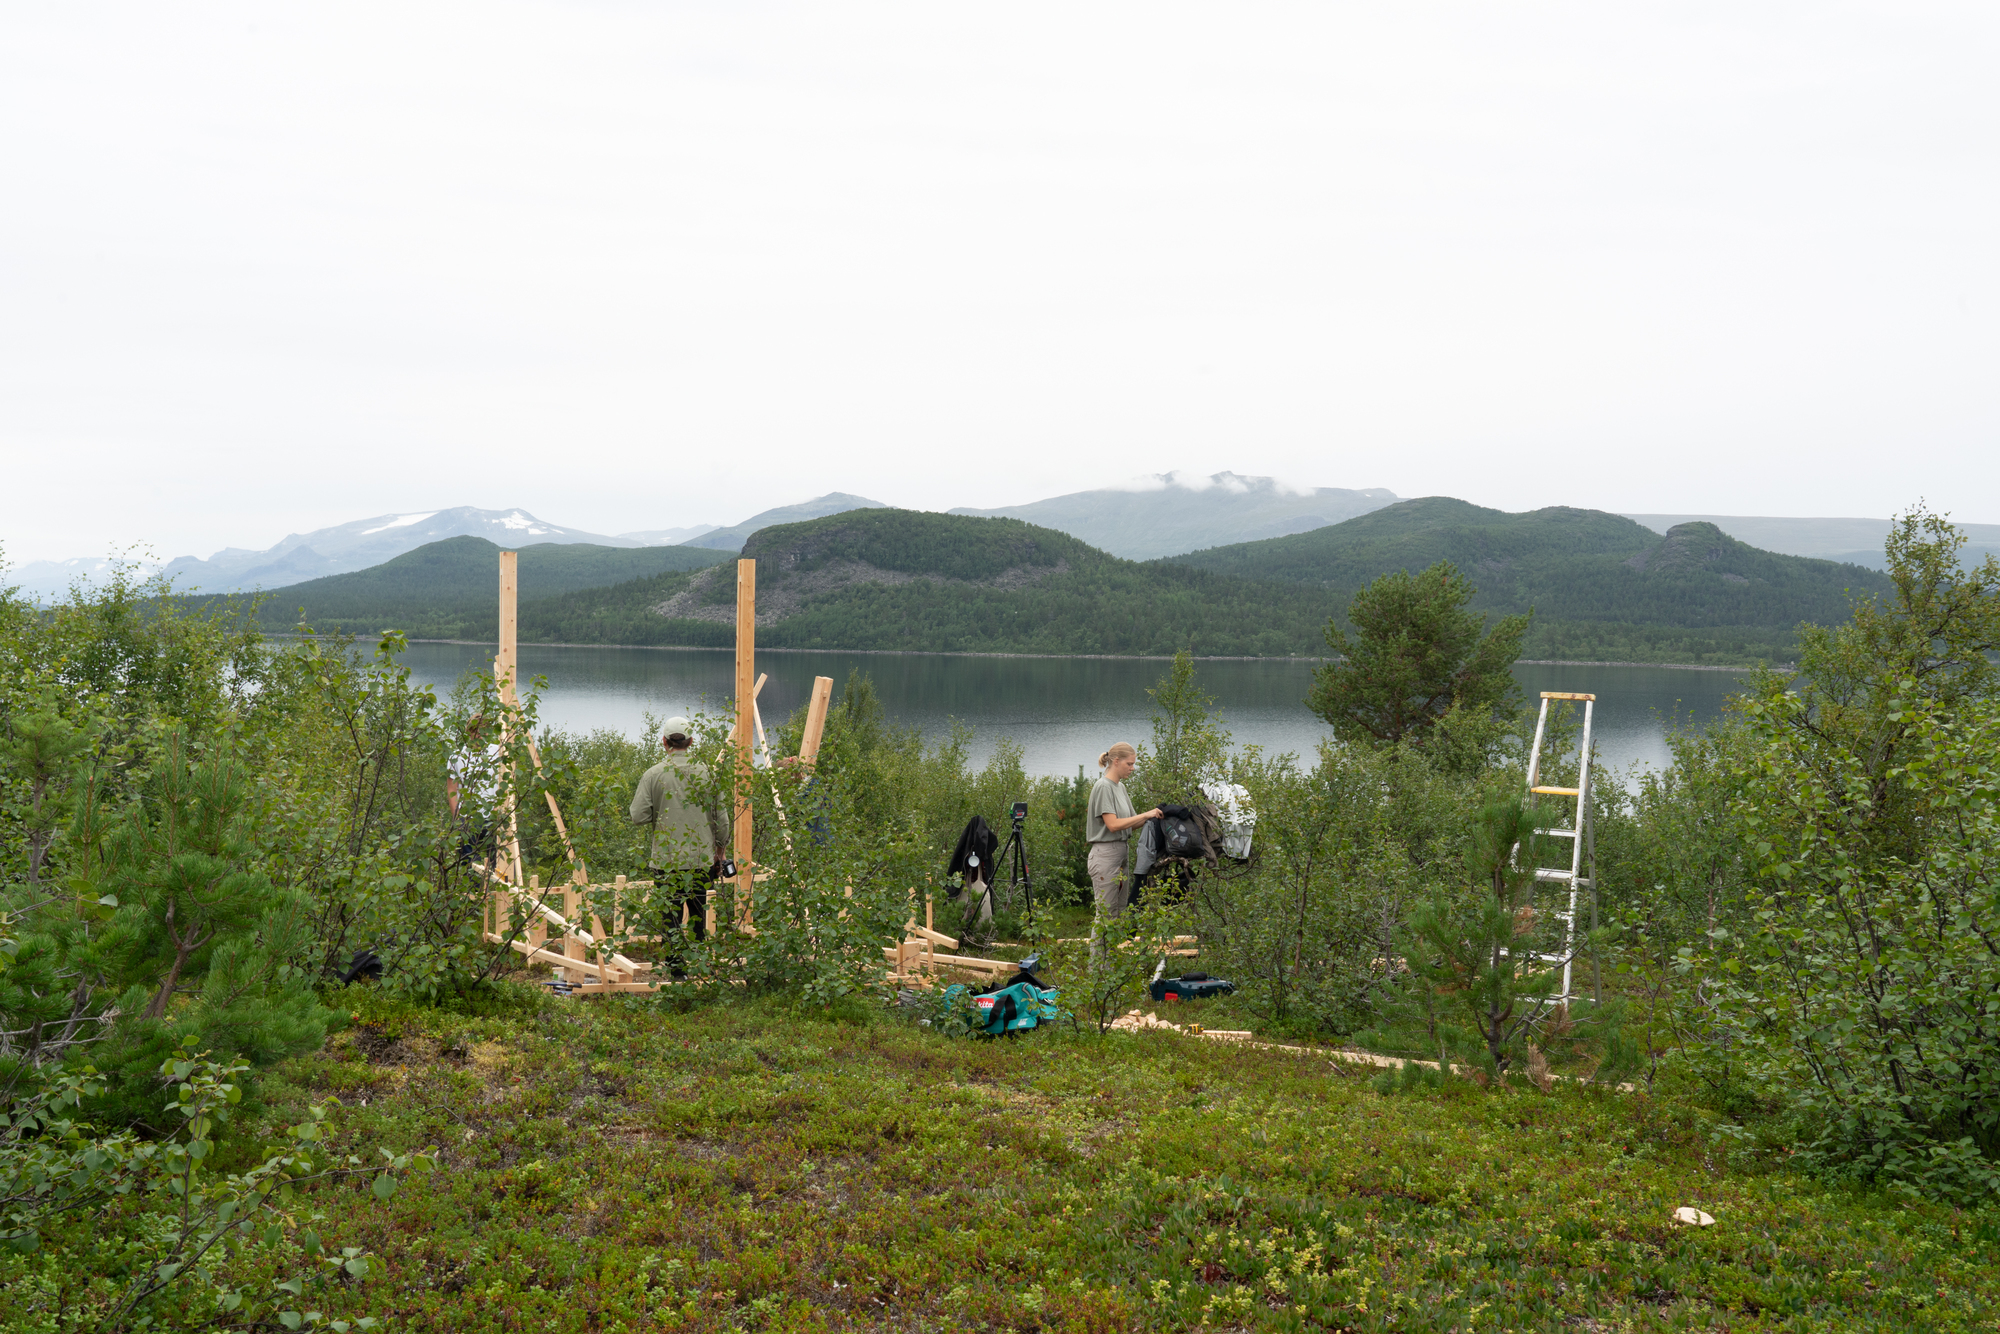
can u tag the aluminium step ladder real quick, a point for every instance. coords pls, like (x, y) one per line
(1582, 872)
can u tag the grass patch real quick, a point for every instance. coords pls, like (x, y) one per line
(617, 1166)
(612, 1165)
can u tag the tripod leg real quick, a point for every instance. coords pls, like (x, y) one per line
(1020, 875)
(1027, 884)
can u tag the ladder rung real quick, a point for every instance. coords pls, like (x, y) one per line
(1555, 791)
(1565, 694)
(1558, 833)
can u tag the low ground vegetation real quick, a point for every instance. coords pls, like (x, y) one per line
(214, 1119)
(748, 1167)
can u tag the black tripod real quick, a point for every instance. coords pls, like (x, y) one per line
(1020, 877)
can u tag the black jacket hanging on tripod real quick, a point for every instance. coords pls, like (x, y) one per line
(979, 841)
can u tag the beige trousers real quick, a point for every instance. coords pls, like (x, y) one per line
(1107, 877)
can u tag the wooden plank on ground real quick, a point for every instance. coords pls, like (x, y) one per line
(536, 954)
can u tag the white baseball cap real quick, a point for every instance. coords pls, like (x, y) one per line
(677, 726)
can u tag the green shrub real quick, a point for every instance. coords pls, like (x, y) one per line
(1857, 986)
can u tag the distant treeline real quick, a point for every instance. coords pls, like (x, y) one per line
(1600, 585)
(1130, 611)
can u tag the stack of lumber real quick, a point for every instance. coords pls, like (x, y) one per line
(915, 960)
(574, 945)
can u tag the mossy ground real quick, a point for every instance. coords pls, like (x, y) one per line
(622, 1166)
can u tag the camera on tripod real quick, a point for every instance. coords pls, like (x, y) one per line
(983, 858)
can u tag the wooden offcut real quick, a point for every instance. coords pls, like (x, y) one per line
(822, 695)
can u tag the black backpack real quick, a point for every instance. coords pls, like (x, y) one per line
(1181, 833)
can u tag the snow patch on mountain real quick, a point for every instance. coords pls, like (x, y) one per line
(403, 522)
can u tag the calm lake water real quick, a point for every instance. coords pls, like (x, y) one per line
(1061, 711)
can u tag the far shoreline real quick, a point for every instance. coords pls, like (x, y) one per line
(1081, 657)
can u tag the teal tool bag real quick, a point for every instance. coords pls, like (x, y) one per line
(1011, 1009)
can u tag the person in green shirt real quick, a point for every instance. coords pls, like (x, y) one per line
(1106, 823)
(689, 831)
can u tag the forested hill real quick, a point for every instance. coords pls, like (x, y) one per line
(1601, 586)
(450, 589)
(901, 579)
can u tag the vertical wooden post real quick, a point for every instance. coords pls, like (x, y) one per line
(746, 703)
(505, 671)
(538, 925)
(816, 718)
(572, 911)
(509, 631)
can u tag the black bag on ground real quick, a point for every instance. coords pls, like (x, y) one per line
(1190, 986)
(366, 963)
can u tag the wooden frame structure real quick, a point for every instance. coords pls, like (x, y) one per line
(561, 938)
(520, 912)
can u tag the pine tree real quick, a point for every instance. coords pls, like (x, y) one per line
(202, 946)
(1479, 981)
(38, 753)
(1416, 656)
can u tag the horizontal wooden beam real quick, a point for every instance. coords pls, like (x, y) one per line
(536, 954)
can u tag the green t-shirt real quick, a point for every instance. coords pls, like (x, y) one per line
(1106, 798)
(685, 834)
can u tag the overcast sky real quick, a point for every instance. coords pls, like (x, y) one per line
(268, 268)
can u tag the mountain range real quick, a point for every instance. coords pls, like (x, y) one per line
(448, 589)
(365, 543)
(1855, 541)
(1602, 588)
(833, 502)
(1166, 515)
(1169, 513)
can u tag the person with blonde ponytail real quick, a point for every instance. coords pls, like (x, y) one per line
(1105, 827)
